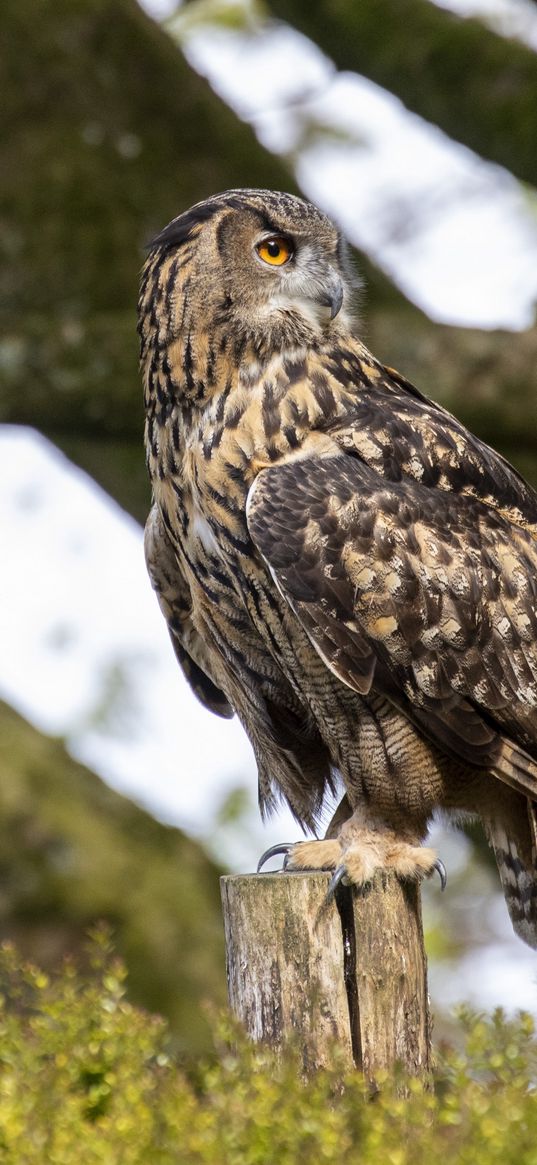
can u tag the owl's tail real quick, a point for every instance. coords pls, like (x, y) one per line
(514, 841)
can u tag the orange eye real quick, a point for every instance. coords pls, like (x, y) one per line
(275, 251)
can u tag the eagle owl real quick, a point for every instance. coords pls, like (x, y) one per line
(339, 561)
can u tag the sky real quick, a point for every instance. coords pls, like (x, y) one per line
(86, 653)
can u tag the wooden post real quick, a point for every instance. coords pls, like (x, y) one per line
(352, 972)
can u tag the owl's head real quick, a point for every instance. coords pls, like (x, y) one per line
(265, 264)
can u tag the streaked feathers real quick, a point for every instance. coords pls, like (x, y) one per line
(338, 559)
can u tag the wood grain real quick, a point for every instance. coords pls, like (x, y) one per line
(351, 973)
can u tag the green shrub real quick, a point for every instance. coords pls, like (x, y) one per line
(87, 1077)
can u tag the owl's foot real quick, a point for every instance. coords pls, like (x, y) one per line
(331, 852)
(356, 859)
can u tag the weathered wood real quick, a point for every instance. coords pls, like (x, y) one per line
(352, 973)
(285, 962)
(391, 978)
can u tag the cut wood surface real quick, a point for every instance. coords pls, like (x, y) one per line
(350, 973)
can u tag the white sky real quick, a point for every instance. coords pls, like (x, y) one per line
(76, 608)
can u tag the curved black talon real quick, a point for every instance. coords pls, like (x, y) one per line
(442, 872)
(338, 876)
(282, 848)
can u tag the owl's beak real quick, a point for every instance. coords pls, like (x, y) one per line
(332, 295)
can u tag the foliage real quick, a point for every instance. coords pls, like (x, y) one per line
(85, 1075)
(73, 851)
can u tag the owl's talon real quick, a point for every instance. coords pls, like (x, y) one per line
(442, 872)
(339, 875)
(283, 847)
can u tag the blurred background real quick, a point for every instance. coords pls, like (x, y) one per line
(414, 124)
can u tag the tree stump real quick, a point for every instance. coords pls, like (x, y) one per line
(351, 972)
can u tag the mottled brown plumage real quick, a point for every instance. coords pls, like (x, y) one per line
(340, 562)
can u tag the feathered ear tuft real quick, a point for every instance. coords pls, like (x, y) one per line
(180, 229)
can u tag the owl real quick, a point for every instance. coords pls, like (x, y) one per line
(340, 563)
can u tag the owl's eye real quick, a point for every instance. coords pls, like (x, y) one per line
(275, 251)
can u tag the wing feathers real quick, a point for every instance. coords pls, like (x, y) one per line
(426, 596)
(175, 603)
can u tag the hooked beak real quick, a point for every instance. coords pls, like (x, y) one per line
(332, 295)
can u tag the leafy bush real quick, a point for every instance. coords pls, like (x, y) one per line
(86, 1076)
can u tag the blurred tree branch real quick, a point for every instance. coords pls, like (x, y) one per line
(86, 399)
(478, 87)
(108, 134)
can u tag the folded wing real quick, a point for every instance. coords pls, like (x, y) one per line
(424, 595)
